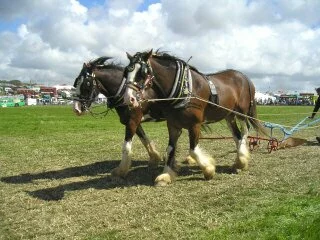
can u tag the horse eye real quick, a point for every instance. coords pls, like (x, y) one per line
(130, 68)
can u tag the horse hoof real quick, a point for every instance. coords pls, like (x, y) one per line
(163, 180)
(161, 184)
(208, 172)
(240, 166)
(117, 172)
(154, 160)
(191, 161)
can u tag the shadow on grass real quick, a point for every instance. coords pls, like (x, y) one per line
(140, 174)
(87, 170)
(312, 143)
(220, 169)
(137, 176)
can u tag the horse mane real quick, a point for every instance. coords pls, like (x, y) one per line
(101, 64)
(111, 65)
(221, 71)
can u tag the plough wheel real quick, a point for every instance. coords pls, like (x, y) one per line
(254, 143)
(272, 145)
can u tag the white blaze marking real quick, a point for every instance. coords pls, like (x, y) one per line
(129, 93)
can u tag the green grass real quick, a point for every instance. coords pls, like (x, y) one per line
(56, 184)
(289, 219)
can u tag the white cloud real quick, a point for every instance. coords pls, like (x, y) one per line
(274, 42)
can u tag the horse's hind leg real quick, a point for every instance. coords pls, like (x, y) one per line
(240, 138)
(168, 175)
(236, 134)
(154, 156)
(205, 162)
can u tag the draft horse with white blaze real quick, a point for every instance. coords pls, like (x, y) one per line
(186, 97)
(97, 77)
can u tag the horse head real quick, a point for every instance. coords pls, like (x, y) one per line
(86, 86)
(137, 73)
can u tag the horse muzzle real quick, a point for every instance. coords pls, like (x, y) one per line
(130, 98)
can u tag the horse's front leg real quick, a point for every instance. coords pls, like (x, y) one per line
(125, 164)
(205, 162)
(168, 175)
(154, 156)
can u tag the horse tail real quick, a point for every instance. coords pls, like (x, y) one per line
(257, 125)
(255, 122)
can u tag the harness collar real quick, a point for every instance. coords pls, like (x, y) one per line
(149, 79)
(182, 85)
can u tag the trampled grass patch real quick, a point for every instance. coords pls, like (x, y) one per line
(55, 182)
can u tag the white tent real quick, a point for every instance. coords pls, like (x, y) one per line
(264, 98)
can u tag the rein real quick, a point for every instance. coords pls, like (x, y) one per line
(96, 115)
(96, 89)
(201, 99)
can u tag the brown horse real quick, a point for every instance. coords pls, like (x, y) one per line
(188, 99)
(96, 77)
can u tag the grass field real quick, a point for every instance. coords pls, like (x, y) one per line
(55, 182)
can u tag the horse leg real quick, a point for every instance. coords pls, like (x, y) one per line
(190, 160)
(243, 149)
(154, 156)
(125, 164)
(168, 175)
(236, 134)
(240, 138)
(205, 162)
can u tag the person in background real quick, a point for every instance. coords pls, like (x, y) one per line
(316, 108)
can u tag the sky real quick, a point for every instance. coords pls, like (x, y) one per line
(276, 43)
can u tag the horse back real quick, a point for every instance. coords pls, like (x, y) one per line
(235, 92)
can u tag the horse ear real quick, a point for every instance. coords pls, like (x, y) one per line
(129, 56)
(149, 53)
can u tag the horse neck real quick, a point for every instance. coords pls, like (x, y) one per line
(110, 80)
(164, 73)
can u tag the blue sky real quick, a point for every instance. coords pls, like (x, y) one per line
(10, 25)
(91, 3)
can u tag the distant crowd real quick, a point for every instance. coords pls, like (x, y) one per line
(286, 101)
